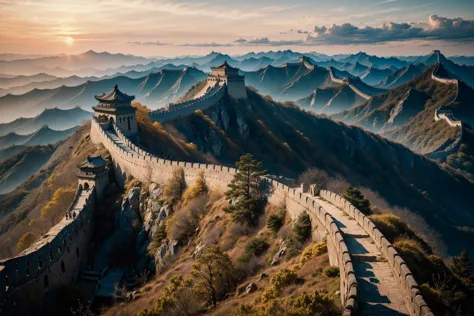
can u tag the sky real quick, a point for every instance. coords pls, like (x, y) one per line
(191, 27)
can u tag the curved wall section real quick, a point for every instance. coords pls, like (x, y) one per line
(188, 107)
(26, 281)
(148, 168)
(406, 282)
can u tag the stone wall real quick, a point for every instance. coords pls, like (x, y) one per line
(444, 150)
(411, 290)
(342, 81)
(188, 107)
(27, 280)
(148, 168)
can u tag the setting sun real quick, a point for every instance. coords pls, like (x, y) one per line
(69, 40)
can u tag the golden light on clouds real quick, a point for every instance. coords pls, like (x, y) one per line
(69, 41)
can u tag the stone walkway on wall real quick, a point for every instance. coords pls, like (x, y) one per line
(378, 288)
(113, 136)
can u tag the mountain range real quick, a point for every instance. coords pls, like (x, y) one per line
(154, 89)
(55, 118)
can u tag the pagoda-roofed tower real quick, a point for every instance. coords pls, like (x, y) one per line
(116, 107)
(229, 75)
(94, 172)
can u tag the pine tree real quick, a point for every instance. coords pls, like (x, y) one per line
(302, 227)
(356, 198)
(244, 190)
(462, 266)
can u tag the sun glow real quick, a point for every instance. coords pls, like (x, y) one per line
(69, 41)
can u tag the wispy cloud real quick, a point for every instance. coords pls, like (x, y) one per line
(387, 1)
(206, 44)
(155, 43)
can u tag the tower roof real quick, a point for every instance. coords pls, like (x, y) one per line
(115, 96)
(94, 162)
(226, 66)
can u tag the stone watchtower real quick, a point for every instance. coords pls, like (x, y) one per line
(230, 76)
(116, 107)
(94, 172)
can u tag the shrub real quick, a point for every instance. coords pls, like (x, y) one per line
(184, 222)
(25, 241)
(312, 251)
(279, 280)
(276, 221)
(158, 237)
(256, 246)
(302, 305)
(331, 271)
(356, 198)
(302, 227)
(59, 203)
(175, 187)
(200, 187)
(392, 227)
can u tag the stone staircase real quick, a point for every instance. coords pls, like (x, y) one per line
(378, 288)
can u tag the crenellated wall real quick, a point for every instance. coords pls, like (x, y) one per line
(411, 290)
(446, 149)
(347, 82)
(188, 107)
(148, 168)
(26, 281)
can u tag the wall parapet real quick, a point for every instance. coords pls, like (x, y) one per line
(346, 81)
(150, 168)
(444, 113)
(50, 260)
(188, 107)
(412, 294)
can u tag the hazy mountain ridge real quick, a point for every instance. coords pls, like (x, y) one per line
(161, 91)
(55, 118)
(15, 170)
(289, 141)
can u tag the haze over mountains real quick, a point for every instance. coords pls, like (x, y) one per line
(394, 97)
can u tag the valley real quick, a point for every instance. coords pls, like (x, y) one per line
(135, 176)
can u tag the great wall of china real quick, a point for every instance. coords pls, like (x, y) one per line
(50, 262)
(405, 297)
(347, 81)
(448, 147)
(188, 107)
(373, 277)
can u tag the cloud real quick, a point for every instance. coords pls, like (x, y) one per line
(206, 45)
(387, 1)
(265, 41)
(155, 43)
(437, 28)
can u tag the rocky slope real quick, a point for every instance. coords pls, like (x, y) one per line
(15, 170)
(290, 82)
(289, 141)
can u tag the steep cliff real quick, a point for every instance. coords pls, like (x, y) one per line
(289, 141)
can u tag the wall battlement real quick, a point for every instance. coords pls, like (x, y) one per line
(151, 168)
(346, 81)
(444, 113)
(412, 294)
(188, 107)
(53, 260)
